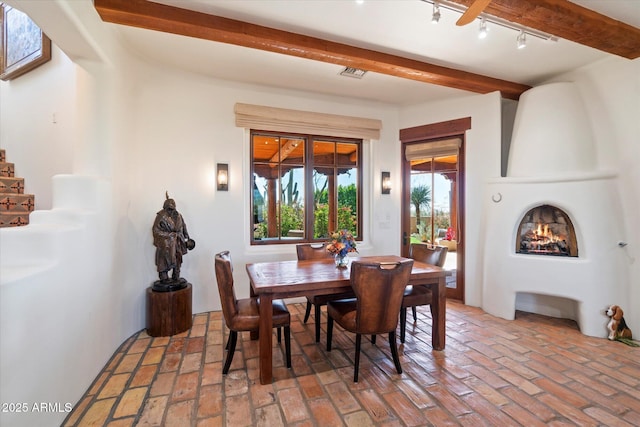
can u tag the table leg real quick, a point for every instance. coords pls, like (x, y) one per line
(438, 314)
(252, 335)
(266, 332)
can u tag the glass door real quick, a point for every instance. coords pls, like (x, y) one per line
(433, 206)
(432, 210)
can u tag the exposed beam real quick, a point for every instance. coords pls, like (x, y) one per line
(569, 21)
(169, 19)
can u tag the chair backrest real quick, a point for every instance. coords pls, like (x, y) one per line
(379, 288)
(224, 277)
(308, 251)
(429, 254)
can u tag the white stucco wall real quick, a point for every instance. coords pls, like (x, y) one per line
(37, 110)
(183, 125)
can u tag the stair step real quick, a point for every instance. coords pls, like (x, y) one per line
(13, 219)
(17, 203)
(11, 185)
(7, 169)
(15, 206)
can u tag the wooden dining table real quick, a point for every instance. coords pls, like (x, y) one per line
(289, 279)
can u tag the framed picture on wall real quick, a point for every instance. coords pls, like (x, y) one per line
(24, 45)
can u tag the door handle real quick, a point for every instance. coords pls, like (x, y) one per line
(404, 238)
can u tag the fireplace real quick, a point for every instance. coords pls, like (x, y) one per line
(554, 225)
(546, 230)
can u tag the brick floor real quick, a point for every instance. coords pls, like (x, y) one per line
(533, 371)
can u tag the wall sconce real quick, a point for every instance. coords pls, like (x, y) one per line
(222, 176)
(386, 182)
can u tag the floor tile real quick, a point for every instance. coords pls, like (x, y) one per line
(532, 371)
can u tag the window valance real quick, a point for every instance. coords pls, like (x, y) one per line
(285, 120)
(423, 150)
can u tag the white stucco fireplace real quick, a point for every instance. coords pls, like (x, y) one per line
(553, 164)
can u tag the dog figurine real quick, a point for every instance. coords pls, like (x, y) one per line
(617, 326)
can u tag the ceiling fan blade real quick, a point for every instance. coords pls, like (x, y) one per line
(472, 12)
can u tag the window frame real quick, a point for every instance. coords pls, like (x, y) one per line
(309, 167)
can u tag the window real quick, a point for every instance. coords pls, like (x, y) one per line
(304, 187)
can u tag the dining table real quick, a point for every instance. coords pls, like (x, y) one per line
(290, 279)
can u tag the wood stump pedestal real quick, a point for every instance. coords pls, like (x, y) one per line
(169, 313)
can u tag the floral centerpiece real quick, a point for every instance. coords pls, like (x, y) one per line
(342, 242)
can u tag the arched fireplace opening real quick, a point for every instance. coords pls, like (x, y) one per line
(546, 230)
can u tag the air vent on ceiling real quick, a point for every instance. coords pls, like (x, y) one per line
(353, 72)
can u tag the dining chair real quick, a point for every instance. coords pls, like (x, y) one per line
(310, 251)
(415, 295)
(244, 314)
(378, 287)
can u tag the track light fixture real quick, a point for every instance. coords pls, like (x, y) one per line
(482, 33)
(521, 40)
(435, 16)
(485, 18)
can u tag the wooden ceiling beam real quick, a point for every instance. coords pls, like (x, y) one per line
(169, 19)
(569, 21)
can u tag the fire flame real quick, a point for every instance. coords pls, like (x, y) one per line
(544, 234)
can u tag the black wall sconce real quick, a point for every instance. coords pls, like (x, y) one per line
(222, 176)
(386, 182)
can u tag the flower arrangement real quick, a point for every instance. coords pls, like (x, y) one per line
(342, 242)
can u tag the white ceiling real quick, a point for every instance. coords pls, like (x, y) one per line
(399, 27)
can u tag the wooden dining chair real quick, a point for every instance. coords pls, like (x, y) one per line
(378, 287)
(309, 251)
(416, 295)
(244, 314)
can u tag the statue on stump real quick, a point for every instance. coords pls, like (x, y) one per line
(171, 239)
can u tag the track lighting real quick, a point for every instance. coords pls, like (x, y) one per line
(435, 16)
(483, 29)
(521, 40)
(485, 18)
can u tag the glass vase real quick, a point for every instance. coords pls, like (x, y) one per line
(341, 261)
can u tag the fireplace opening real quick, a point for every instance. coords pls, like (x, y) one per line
(546, 230)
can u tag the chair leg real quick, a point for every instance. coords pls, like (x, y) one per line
(357, 359)
(307, 312)
(317, 315)
(415, 317)
(231, 344)
(403, 323)
(279, 335)
(329, 332)
(394, 351)
(373, 339)
(287, 344)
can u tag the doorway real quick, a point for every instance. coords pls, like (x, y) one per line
(433, 193)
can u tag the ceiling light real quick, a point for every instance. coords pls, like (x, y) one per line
(483, 29)
(435, 17)
(522, 40)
